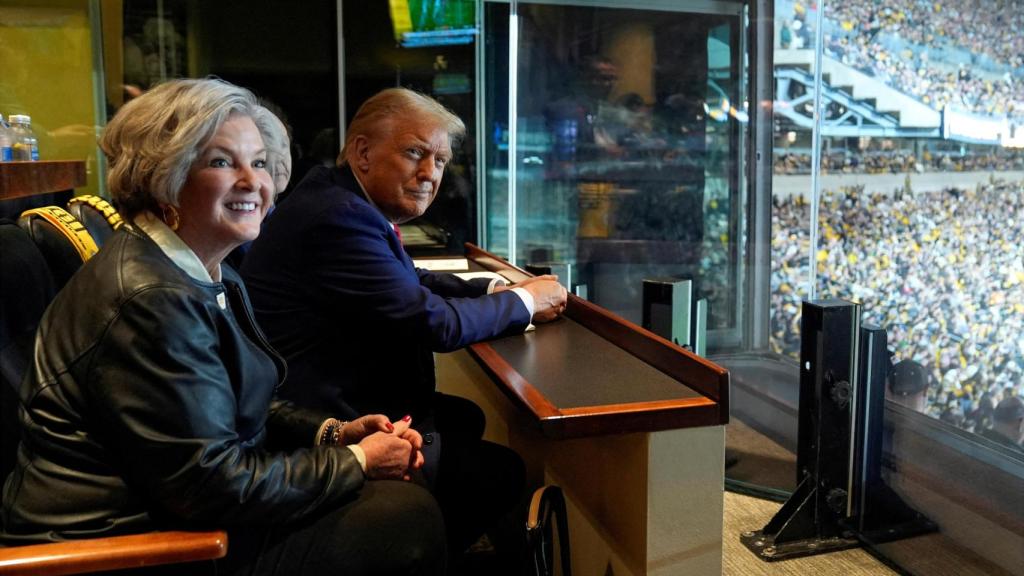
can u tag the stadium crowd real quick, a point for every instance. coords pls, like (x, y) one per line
(900, 162)
(942, 272)
(990, 27)
(986, 29)
(932, 85)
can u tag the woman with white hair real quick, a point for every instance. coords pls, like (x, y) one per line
(151, 400)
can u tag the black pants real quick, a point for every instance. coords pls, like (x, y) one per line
(390, 528)
(478, 482)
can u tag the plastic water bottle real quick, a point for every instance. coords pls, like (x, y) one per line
(6, 153)
(23, 141)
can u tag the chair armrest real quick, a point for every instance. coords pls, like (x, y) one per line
(114, 553)
(546, 519)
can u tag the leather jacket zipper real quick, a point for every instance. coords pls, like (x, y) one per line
(253, 331)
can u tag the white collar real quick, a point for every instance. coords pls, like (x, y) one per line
(174, 247)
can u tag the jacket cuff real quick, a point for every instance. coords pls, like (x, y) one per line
(527, 299)
(290, 427)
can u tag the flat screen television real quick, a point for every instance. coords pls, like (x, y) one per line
(422, 23)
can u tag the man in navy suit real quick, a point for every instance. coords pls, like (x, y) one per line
(336, 293)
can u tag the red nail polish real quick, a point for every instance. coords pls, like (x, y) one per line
(391, 427)
(406, 418)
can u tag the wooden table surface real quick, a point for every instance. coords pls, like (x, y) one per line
(592, 373)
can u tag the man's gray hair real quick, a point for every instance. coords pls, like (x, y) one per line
(277, 143)
(376, 113)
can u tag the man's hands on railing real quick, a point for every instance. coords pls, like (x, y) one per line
(549, 297)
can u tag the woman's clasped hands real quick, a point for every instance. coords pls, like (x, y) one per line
(392, 451)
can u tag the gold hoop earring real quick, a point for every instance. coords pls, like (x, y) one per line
(171, 217)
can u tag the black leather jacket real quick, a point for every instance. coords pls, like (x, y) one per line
(150, 405)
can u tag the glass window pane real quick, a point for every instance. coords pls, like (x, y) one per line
(496, 104)
(628, 151)
(921, 183)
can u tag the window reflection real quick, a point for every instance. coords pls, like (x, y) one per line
(154, 47)
(629, 124)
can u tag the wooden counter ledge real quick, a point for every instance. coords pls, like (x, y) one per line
(19, 179)
(592, 373)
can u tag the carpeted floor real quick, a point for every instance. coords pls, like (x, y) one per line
(754, 459)
(744, 513)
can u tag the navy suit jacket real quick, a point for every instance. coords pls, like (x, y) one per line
(337, 294)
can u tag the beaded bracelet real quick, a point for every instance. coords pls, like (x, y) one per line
(329, 432)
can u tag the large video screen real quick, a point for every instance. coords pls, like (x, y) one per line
(420, 23)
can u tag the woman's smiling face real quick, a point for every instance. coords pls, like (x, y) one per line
(227, 193)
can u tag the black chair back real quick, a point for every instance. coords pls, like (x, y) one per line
(63, 240)
(97, 215)
(26, 288)
(40, 253)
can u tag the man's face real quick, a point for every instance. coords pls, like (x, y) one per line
(402, 164)
(602, 77)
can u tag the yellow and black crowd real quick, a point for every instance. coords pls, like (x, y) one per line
(940, 271)
(897, 161)
(966, 54)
